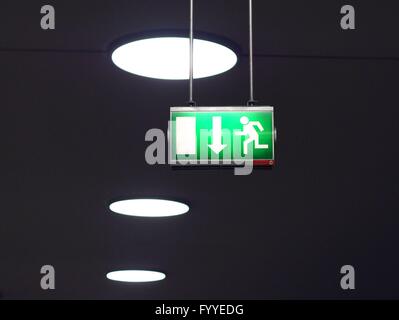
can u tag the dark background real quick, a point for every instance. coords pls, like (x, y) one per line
(72, 128)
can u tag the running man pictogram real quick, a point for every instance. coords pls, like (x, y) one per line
(250, 131)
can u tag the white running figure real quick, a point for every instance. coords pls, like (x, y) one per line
(250, 131)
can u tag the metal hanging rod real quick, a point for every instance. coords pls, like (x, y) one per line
(191, 100)
(251, 101)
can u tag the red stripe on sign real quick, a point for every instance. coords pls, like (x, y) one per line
(263, 162)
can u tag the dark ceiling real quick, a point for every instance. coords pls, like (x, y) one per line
(73, 125)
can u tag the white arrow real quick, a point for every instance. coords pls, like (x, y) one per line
(217, 145)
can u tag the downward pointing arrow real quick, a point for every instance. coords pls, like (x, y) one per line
(217, 145)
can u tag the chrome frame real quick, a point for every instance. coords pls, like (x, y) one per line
(174, 162)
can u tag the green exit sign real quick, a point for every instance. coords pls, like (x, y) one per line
(221, 135)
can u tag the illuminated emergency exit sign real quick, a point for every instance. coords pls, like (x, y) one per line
(221, 135)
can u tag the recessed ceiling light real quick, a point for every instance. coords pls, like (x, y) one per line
(149, 207)
(168, 58)
(136, 276)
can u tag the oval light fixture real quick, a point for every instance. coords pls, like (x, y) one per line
(167, 58)
(136, 276)
(149, 208)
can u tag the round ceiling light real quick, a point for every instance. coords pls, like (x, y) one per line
(168, 58)
(149, 207)
(136, 276)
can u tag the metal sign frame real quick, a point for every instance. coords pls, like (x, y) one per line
(215, 162)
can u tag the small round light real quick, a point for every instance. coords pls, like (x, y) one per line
(136, 276)
(149, 208)
(168, 58)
